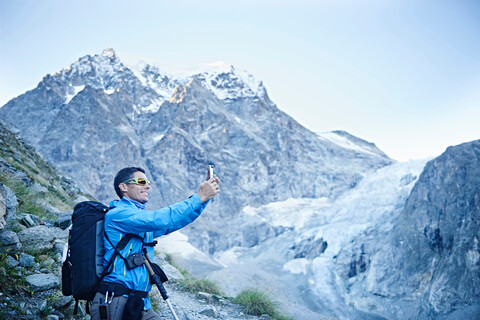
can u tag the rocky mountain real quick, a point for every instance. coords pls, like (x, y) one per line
(433, 245)
(97, 116)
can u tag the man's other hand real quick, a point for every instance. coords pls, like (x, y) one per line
(208, 189)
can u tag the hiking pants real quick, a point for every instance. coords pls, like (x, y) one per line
(115, 308)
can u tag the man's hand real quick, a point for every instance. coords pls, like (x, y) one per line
(209, 188)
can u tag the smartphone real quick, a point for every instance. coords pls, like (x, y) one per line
(210, 171)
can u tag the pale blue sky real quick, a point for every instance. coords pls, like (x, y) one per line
(402, 74)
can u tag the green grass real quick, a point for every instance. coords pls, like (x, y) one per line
(23, 157)
(29, 201)
(45, 312)
(10, 281)
(258, 303)
(25, 197)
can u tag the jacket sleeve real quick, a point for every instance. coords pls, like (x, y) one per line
(160, 222)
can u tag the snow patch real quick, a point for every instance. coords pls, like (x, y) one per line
(232, 84)
(297, 266)
(157, 138)
(109, 53)
(76, 90)
(343, 142)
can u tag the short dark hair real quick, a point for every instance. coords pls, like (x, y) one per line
(122, 175)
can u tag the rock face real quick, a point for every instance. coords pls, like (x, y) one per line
(97, 116)
(430, 262)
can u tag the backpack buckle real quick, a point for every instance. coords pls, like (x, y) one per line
(111, 298)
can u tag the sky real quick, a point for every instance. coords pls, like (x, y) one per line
(402, 74)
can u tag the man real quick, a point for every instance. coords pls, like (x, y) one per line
(125, 286)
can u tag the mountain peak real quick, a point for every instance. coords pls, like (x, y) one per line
(109, 52)
(231, 83)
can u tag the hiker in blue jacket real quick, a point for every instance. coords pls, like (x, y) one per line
(127, 286)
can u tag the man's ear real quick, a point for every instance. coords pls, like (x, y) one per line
(123, 187)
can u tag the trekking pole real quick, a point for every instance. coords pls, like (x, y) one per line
(156, 280)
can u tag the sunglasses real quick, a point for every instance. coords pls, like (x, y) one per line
(140, 181)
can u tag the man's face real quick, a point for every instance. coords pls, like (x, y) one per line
(136, 192)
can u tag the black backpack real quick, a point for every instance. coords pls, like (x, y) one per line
(83, 267)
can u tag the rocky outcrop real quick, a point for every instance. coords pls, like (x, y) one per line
(428, 266)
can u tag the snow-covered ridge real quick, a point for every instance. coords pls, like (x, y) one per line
(225, 81)
(347, 141)
(101, 71)
(106, 71)
(159, 80)
(232, 84)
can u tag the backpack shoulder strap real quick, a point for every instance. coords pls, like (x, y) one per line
(120, 246)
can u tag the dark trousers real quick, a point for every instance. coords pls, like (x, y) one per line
(115, 308)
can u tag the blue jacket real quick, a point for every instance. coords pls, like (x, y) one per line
(128, 216)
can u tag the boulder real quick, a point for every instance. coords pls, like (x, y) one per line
(64, 220)
(210, 298)
(210, 311)
(8, 205)
(29, 220)
(9, 242)
(12, 263)
(42, 282)
(26, 260)
(48, 208)
(3, 208)
(60, 234)
(61, 301)
(37, 239)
